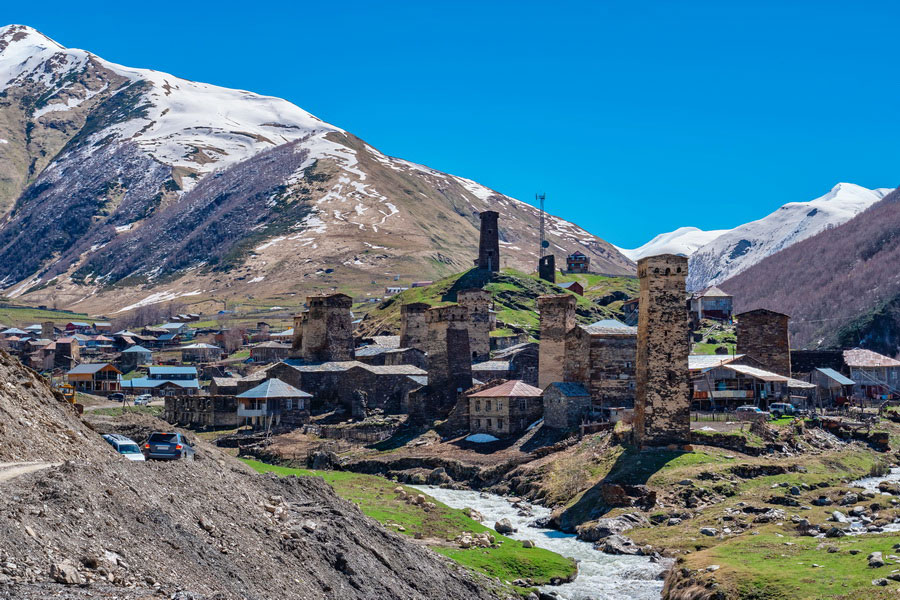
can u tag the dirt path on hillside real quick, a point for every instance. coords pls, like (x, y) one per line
(12, 470)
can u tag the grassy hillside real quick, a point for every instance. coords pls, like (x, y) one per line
(515, 298)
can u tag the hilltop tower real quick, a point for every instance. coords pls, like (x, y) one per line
(547, 268)
(763, 336)
(477, 302)
(663, 403)
(413, 328)
(557, 314)
(489, 242)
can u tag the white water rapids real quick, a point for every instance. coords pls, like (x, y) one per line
(600, 576)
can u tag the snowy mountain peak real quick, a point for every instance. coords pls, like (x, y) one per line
(684, 240)
(742, 247)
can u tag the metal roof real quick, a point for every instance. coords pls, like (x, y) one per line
(200, 346)
(569, 388)
(492, 365)
(89, 368)
(715, 292)
(835, 376)
(757, 373)
(701, 362)
(609, 327)
(166, 370)
(859, 357)
(137, 348)
(513, 388)
(143, 382)
(274, 388)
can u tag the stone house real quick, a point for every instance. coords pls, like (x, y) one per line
(200, 353)
(565, 405)
(762, 335)
(602, 357)
(202, 411)
(133, 357)
(268, 352)
(506, 409)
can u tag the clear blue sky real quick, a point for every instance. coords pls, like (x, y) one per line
(633, 117)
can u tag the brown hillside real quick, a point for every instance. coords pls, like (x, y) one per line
(841, 287)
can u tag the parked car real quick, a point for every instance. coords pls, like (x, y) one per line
(127, 447)
(143, 400)
(117, 397)
(783, 409)
(163, 445)
(749, 412)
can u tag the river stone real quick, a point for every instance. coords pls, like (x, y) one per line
(838, 517)
(504, 526)
(876, 560)
(618, 544)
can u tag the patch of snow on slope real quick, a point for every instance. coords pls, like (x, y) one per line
(158, 297)
(684, 240)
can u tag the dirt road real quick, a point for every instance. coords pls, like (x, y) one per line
(11, 470)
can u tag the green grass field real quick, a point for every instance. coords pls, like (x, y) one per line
(23, 317)
(153, 411)
(376, 498)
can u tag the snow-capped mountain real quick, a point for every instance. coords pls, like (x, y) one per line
(744, 246)
(684, 240)
(168, 187)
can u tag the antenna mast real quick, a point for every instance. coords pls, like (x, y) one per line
(540, 198)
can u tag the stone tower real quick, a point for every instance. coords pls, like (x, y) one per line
(763, 336)
(449, 359)
(47, 330)
(547, 268)
(478, 303)
(327, 329)
(489, 242)
(663, 403)
(413, 328)
(557, 315)
(297, 340)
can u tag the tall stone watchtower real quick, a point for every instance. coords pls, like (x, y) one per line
(547, 268)
(413, 328)
(557, 315)
(489, 242)
(47, 330)
(449, 359)
(477, 302)
(762, 335)
(327, 329)
(662, 406)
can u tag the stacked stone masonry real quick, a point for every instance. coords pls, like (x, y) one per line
(763, 336)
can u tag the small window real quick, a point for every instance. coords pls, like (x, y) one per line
(499, 423)
(289, 404)
(487, 406)
(499, 404)
(478, 406)
(477, 423)
(488, 423)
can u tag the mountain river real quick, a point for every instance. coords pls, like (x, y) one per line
(600, 576)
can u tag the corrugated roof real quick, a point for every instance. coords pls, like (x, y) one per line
(136, 348)
(143, 382)
(333, 366)
(387, 341)
(492, 365)
(273, 345)
(419, 379)
(394, 369)
(274, 388)
(512, 388)
(569, 388)
(800, 384)
(200, 346)
(567, 284)
(715, 292)
(166, 370)
(835, 376)
(757, 373)
(609, 327)
(859, 357)
(89, 368)
(701, 362)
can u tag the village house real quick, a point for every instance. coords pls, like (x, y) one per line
(133, 357)
(566, 404)
(876, 376)
(832, 388)
(78, 327)
(272, 403)
(268, 352)
(102, 327)
(96, 378)
(573, 286)
(578, 263)
(727, 385)
(165, 381)
(506, 409)
(602, 356)
(200, 353)
(224, 386)
(712, 303)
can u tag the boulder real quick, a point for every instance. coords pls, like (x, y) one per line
(527, 544)
(601, 528)
(65, 573)
(618, 544)
(710, 531)
(438, 477)
(876, 560)
(849, 498)
(504, 526)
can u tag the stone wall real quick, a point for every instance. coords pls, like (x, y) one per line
(604, 364)
(663, 402)
(201, 411)
(413, 328)
(547, 268)
(557, 314)
(478, 303)
(449, 358)
(763, 336)
(489, 242)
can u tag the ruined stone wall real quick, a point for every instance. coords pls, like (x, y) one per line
(662, 404)
(547, 268)
(201, 411)
(489, 242)
(557, 314)
(413, 328)
(477, 302)
(763, 336)
(328, 330)
(360, 390)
